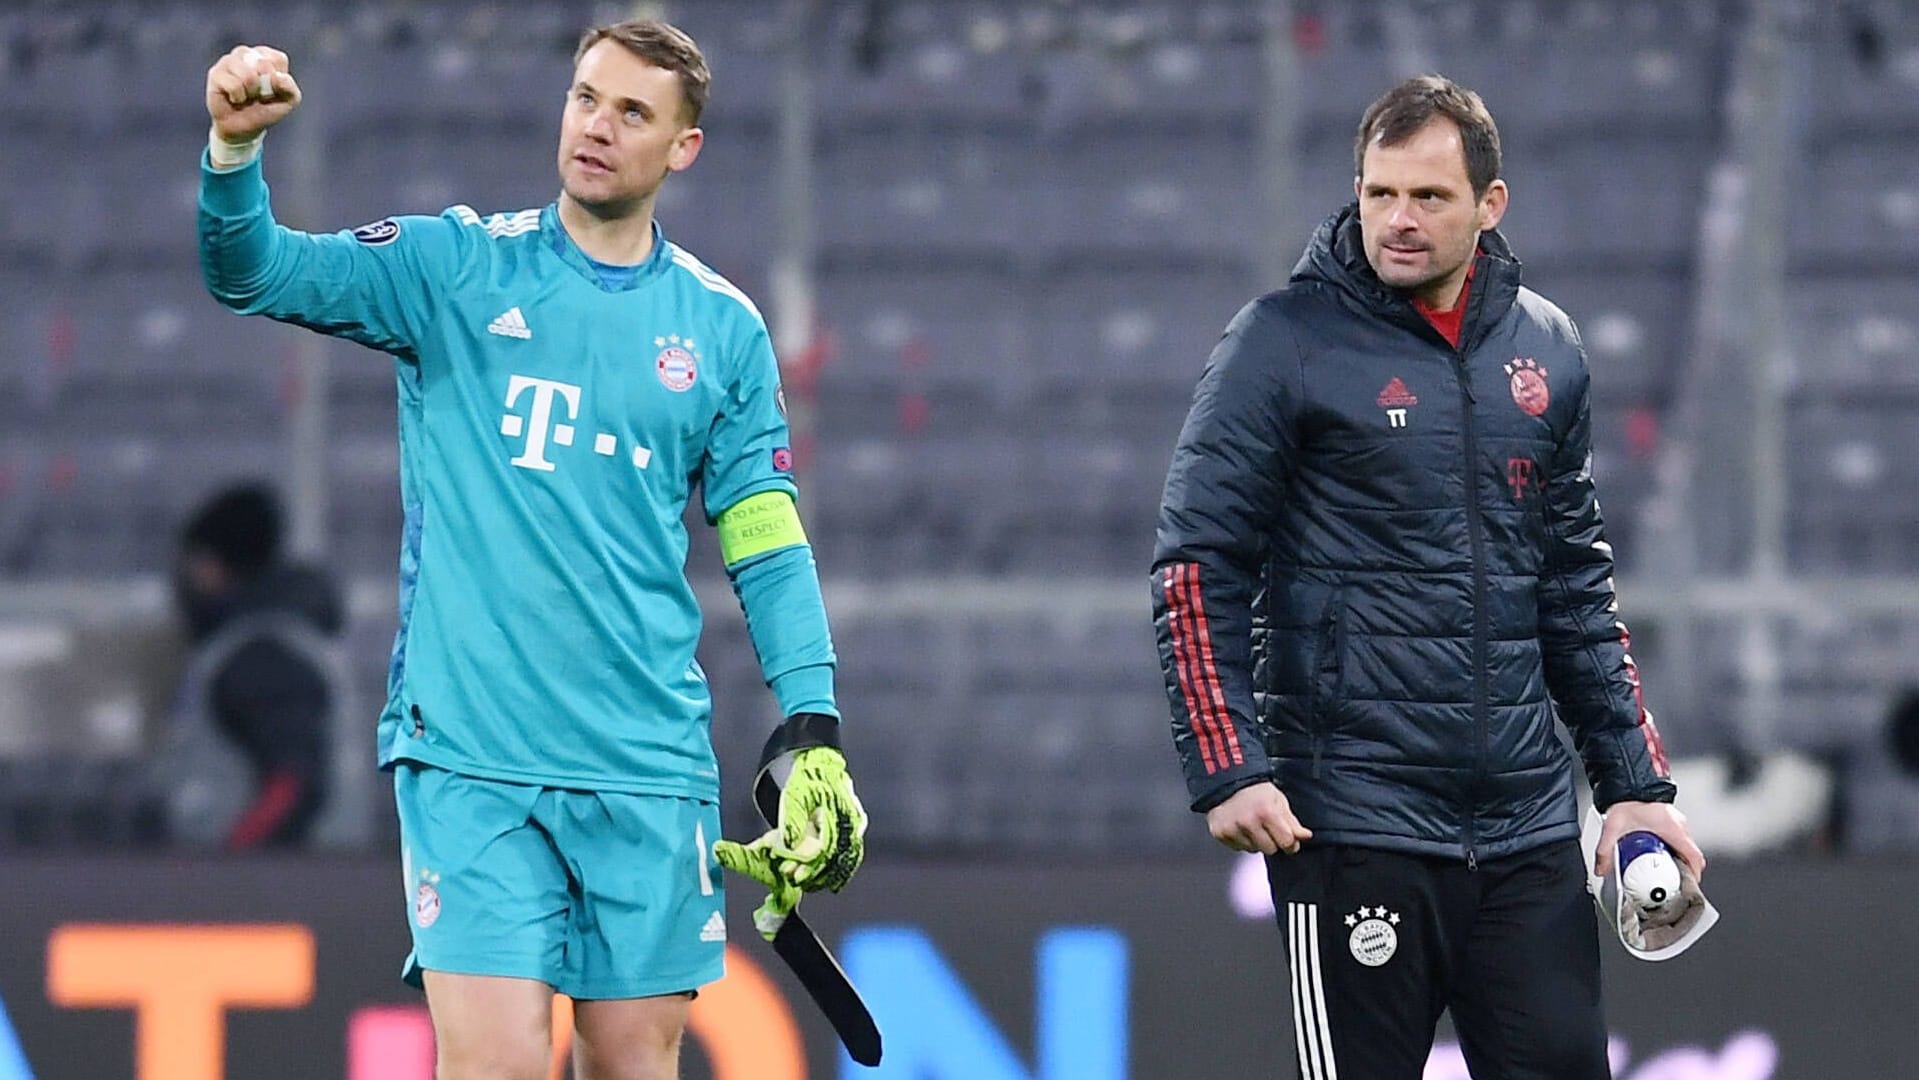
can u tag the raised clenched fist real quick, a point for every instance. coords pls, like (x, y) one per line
(248, 91)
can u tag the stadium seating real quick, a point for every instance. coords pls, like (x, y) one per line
(1031, 223)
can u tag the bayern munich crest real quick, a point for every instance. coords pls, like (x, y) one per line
(678, 363)
(1374, 939)
(426, 902)
(1530, 392)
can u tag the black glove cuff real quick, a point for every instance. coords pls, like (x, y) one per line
(801, 731)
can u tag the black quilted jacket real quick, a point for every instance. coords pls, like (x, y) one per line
(1381, 573)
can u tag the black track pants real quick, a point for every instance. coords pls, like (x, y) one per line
(1378, 944)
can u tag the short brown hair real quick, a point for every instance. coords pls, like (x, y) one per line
(664, 46)
(1401, 112)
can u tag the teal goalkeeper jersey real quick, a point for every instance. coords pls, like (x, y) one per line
(551, 434)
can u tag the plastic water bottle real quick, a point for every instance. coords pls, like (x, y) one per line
(1648, 874)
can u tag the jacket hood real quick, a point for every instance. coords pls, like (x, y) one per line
(1336, 256)
(296, 589)
(301, 590)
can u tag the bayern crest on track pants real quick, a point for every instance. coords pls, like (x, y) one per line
(1379, 943)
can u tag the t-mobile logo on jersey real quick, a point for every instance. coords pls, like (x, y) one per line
(538, 427)
(513, 425)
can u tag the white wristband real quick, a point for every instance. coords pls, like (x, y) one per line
(227, 156)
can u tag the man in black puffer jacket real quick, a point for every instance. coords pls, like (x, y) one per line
(1380, 575)
(261, 679)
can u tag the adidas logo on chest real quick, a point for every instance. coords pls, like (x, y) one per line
(510, 324)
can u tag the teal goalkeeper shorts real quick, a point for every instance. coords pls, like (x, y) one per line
(598, 894)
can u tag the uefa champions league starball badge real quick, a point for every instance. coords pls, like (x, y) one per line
(1374, 939)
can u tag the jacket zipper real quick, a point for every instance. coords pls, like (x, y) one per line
(1332, 633)
(1475, 531)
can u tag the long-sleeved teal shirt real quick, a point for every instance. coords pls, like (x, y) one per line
(551, 431)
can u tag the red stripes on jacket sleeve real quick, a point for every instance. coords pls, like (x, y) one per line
(278, 797)
(1198, 674)
(1655, 746)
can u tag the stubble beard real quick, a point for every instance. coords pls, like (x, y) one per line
(614, 207)
(610, 207)
(1420, 281)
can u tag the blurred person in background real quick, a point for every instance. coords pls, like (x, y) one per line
(566, 377)
(1902, 730)
(1380, 573)
(261, 680)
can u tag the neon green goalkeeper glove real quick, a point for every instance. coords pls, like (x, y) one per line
(759, 861)
(818, 834)
(822, 829)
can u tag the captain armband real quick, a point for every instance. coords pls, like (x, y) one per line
(759, 524)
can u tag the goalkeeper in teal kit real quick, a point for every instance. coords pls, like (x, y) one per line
(566, 376)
